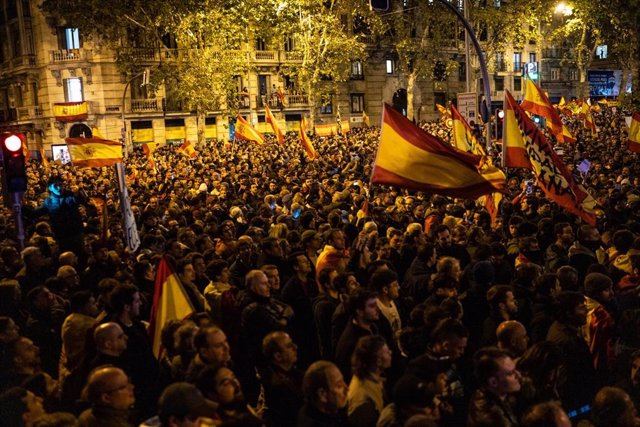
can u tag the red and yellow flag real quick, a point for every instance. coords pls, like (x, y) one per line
(537, 102)
(268, 116)
(45, 161)
(187, 149)
(306, 142)
(70, 111)
(587, 118)
(409, 157)
(329, 129)
(633, 143)
(170, 302)
(345, 127)
(245, 131)
(94, 152)
(365, 119)
(446, 114)
(491, 203)
(463, 137)
(526, 147)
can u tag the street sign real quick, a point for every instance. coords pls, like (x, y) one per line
(468, 106)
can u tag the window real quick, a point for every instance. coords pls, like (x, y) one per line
(72, 38)
(327, 105)
(391, 66)
(289, 44)
(555, 74)
(357, 102)
(602, 51)
(357, 72)
(462, 72)
(517, 84)
(500, 66)
(517, 61)
(16, 41)
(34, 93)
(499, 81)
(573, 74)
(73, 90)
(532, 57)
(260, 44)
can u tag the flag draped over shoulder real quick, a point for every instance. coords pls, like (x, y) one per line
(268, 116)
(170, 302)
(306, 142)
(188, 150)
(409, 157)
(526, 147)
(537, 102)
(633, 143)
(94, 152)
(463, 137)
(245, 131)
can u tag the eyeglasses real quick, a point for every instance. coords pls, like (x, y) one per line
(122, 387)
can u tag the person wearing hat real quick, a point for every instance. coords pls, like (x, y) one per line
(600, 329)
(182, 405)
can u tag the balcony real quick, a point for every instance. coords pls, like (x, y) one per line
(501, 67)
(290, 101)
(28, 113)
(265, 56)
(517, 67)
(70, 55)
(367, 39)
(140, 54)
(146, 105)
(19, 62)
(291, 56)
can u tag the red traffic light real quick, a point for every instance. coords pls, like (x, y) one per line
(12, 142)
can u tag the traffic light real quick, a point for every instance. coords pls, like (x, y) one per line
(15, 173)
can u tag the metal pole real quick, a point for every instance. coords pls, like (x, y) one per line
(483, 67)
(124, 123)
(16, 199)
(467, 50)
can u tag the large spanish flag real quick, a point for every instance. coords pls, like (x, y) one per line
(329, 129)
(70, 111)
(170, 302)
(536, 102)
(245, 131)
(94, 152)
(409, 157)
(525, 146)
(633, 143)
(188, 150)
(268, 116)
(463, 138)
(306, 142)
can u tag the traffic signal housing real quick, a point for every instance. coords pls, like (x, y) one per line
(13, 160)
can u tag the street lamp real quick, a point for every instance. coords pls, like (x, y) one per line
(564, 9)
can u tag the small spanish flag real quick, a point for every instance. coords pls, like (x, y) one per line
(268, 116)
(70, 111)
(94, 152)
(306, 142)
(245, 131)
(188, 150)
(365, 119)
(633, 143)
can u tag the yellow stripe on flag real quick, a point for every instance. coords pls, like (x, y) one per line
(245, 131)
(70, 111)
(633, 143)
(274, 125)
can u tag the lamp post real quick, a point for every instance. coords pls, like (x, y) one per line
(483, 67)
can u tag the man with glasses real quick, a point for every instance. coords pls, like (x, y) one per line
(111, 396)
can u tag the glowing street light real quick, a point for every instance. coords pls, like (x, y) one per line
(564, 9)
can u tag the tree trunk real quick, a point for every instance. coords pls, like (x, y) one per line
(200, 123)
(312, 110)
(583, 84)
(411, 86)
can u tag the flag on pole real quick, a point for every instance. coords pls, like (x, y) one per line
(170, 302)
(94, 152)
(633, 143)
(491, 203)
(365, 119)
(446, 114)
(463, 137)
(345, 127)
(409, 157)
(587, 118)
(26, 152)
(245, 131)
(339, 121)
(45, 161)
(526, 147)
(326, 129)
(306, 141)
(268, 116)
(188, 150)
(536, 102)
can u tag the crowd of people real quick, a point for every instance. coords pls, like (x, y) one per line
(320, 300)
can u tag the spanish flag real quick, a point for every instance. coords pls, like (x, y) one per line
(491, 203)
(633, 143)
(446, 114)
(326, 129)
(268, 116)
(306, 142)
(525, 146)
(45, 161)
(70, 111)
(245, 131)
(344, 128)
(365, 119)
(94, 152)
(170, 302)
(536, 102)
(409, 157)
(187, 149)
(463, 138)
(587, 117)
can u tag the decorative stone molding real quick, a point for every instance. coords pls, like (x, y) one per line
(58, 76)
(72, 72)
(87, 73)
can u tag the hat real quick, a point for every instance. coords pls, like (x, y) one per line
(183, 399)
(308, 235)
(595, 283)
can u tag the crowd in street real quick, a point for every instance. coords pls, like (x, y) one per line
(320, 300)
